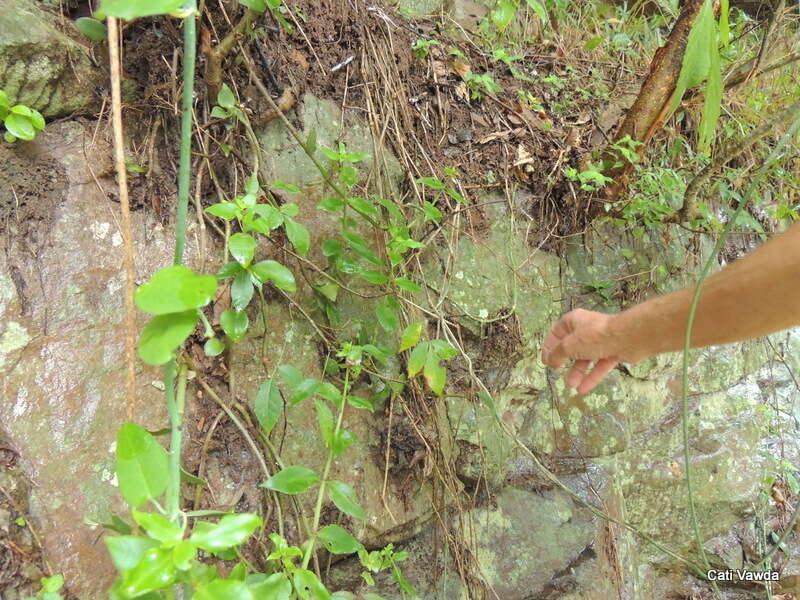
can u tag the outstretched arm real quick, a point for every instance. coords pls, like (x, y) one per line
(755, 296)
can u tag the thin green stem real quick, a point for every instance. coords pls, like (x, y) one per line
(774, 155)
(325, 473)
(175, 402)
(185, 166)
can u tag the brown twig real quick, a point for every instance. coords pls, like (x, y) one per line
(127, 230)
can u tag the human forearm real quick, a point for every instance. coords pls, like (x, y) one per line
(754, 296)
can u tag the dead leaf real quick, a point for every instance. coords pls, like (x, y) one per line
(523, 156)
(498, 135)
(461, 91)
(461, 68)
(440, 69)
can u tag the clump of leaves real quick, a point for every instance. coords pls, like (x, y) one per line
(50, 589)
(590, 180)
(21, 122)
(480, 84)
(422, 48)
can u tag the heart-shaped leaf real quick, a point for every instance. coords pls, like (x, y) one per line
(175, 289)
(141, 465)
(292, 480)
(164, 334)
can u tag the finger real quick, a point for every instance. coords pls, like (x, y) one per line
(577, 373)
(553, 352)
(601, 369)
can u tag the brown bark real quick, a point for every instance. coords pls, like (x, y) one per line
(650, 109)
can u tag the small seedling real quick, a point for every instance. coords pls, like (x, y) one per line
(21, 122)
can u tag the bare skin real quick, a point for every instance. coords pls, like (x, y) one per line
(755, 296)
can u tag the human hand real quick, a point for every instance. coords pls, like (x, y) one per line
(585, 337)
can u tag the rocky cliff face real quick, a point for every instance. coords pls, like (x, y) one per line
(452, 486)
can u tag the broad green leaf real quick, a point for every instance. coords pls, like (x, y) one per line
(724, 23)
(338, 540)
(298, 235)
(387, 313)
(364, 206)
(287, 187)
(220, 113)
(331, 248)
(443, 349)
(272, 587)
(712, 106)
(307, 585)
(411, 336)
(417, 358)
(269, 405)
(159, 527)
(241, 290)
(331, 204)
(51, 585)
(292, 480)
(341, 441)
(225, 98)
(127, 550)
(223, 589)
(163, 334)
(311, 142)
(231, 530)
(125, 9)
(234, 324)
(435, 374)
(251, 185)
(229, 269)
(344, 497)
(696, 57)
(256, 5)
(290, 209)
(407, 285)
(21, 109)
(348, 175)
(325, 422)
(214, 347)
(593, 43)
(223, 210)
(20, 126)
(539, 9)
(374, 277)
(141, 465)
(330, 392)
(3, 99)
(175, 289)
(291, 375)
(91, 28)
(431, 212)
(270, 270)
(306, 389)
(361, 403)
(431, 182)
(242, 248)
(183, 554)
(153, 572)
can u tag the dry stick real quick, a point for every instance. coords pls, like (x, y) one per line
(773, 22)
(688, 211)
(127, 232)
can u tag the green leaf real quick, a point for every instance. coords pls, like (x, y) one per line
(251, 185)
(287, 187)
(325, 422)
(435, 374)
(344, 497)
(20, 126)
(305, 581)
(225, 98)
(127, 550)
(273, 587)
(348, 175)
(364, 206)
(52, 584)
(220, 113)
(213, 347)
(141, 465)
(539, 9)
(432, 182)
(292, 480)
(241, 290)
(374, 277)
(593, 43)
(291, 375)
(256, 5)
(224, 210)
(411, 336)
(431, 212)
(125, 9)
(298, 235)
(234, 324)
(268, 406)
(231, 530)
(242, 248)
(270, 270)
(3, 99)
(712, 106)
(331, 204)
(417, 358)
(183, 554)
(360, 403)
(338, 540)
(387, 313)
(407, 285)
(175, 289)
(223, 589)
(229, 269)
(164, 334)
(159, 527)
(341, 441)
(311, 142)
(91, 28)
(696, 57)
(724, 23)
(443, 349)
(154, 571)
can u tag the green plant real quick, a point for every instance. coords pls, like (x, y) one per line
(478, 84)
(529, 100)
(50, 588)
(422, 48)
(590, 180)
(21, 122)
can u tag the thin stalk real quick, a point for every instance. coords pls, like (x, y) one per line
(176, 400)
(185, 166)
(325, 473)
(774, 155)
